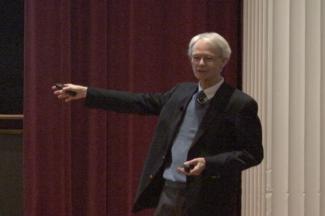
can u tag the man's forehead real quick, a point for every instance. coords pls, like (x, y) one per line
(204, 46)
(204, 52)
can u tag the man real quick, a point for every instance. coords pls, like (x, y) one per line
(206, 135)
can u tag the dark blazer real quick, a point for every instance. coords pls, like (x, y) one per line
(229, 137)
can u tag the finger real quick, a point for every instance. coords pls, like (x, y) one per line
(193, 172)
(198, 169)
(58, 92)
(195, 168)
(181, 170)
(66, 91)
(68, 85)
(68, 99)
(66, 88)
(192, 162)
(196, 161)
(63, 96)
(70, 88)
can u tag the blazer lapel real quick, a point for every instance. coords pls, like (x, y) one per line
(218, 105)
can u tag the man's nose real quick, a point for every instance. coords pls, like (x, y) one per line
(201, 62)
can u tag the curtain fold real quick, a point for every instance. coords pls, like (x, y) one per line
(88, 162)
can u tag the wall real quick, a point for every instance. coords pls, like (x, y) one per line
(283, 68)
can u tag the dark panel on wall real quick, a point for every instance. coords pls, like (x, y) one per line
(10, 175)
(11, 56)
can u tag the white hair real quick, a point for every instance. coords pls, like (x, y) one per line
(217, 41)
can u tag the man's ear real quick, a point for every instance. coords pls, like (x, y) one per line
(224, 62)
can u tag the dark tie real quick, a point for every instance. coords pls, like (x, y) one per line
(201, 98)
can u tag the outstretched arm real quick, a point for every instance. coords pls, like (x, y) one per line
(118, 101)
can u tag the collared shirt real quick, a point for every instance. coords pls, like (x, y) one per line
(211, 91)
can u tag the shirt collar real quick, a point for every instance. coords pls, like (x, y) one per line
(211, 91)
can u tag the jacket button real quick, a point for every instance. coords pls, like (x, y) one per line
(163, 157)
(151, 176)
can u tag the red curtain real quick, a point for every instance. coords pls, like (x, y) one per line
(88, 162)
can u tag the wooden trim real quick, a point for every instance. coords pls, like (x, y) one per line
(11, 116)
(11, 131)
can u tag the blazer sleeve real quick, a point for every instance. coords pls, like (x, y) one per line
(127, 102)
(249, 150)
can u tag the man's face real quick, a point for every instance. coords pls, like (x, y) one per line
(206, 64)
